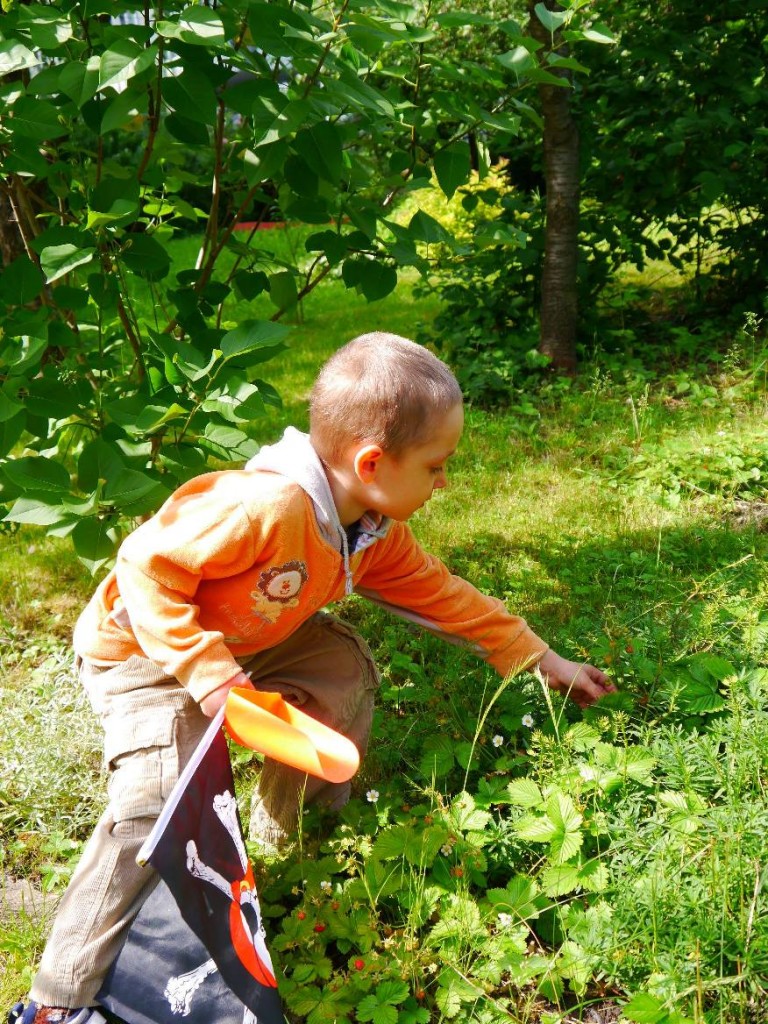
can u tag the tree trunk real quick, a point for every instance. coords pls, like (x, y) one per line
(559, 297)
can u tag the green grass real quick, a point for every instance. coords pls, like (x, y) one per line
(604, 511)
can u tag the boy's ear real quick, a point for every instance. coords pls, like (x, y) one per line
(367, 462)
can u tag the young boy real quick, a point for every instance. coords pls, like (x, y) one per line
(225, 587)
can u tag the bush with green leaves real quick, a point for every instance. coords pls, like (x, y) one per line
(487, 281)
(122, 374)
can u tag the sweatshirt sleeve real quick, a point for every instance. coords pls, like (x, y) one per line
(203, 532)
(418, 586)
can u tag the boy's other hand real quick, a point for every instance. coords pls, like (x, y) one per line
(584, 684)
(216, 699)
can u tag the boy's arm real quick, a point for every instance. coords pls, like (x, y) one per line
(409, 581)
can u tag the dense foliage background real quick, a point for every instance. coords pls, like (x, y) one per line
(525, 187)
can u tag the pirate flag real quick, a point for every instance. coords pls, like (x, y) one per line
(196, 949)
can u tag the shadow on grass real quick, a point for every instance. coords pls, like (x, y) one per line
(679, 589)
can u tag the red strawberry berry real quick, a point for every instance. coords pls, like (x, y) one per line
(359, 964)
(301, 915)
(319, 927)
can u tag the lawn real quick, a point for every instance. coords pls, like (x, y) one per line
(504, 856)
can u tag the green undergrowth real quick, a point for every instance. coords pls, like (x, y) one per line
(505, 856)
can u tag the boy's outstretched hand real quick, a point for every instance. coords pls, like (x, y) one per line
(584, 684)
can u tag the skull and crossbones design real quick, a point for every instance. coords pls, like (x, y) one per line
(249, 943)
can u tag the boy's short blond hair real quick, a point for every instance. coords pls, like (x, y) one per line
(381, 389)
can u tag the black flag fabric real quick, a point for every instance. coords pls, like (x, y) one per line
(196, 950)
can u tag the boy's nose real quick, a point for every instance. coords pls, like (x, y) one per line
(440, 482)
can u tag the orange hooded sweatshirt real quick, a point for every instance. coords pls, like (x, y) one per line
(235, 561)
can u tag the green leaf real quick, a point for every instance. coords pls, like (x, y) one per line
(47, 29)
(438, 757)
(94, 539)
(134, 493)
(252, 335)
(58, 260)
(520, 898)
(123, 61)
(594, 875)
(459, 19)
(638, 764)
(184, 130)
(392, 991)
(645, 1009)
(11, 428)
(567, 837)
(227, 442)
(525, 793)
(113, 200)
(33, 512)
(598, 34)
(364, 217)
(144, 256)
(20, 282)
(582, 736)
(35, 119)
(535, 828)
(30, 351)
(706, 665)
(575, 964)
(466, 816)
(559, 879)
(14, 56)
(331, 243)
(424, 228)
(283, 292)
(321, 147)
(9, 406)
(153, 416)
(38, 475)
(121, 111)
(104, 290)
(390, 844)
(370, 1009)
(48, 398)
(121, 210)
(199, 26)
(274, 118)
(449, 1002)
(99, 460)
(282, 31)
(520, 60)
(192, 96)
(373, 278)
(551, 20)
(250, 283)
(265, 162)
(350, 90)
(70, 297)
(452, 167)
(80, 82)
(412, 1013)
(569, 63)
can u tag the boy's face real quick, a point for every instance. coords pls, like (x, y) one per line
(401, 484)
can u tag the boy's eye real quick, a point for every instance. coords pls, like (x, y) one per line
(436, 470)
